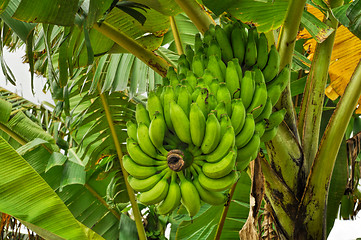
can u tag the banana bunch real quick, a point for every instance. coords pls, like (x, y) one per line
(207, 121)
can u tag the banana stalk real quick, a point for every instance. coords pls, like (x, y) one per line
(176, 35)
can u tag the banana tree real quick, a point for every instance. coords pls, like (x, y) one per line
(97, 55)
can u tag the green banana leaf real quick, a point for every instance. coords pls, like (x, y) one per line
(48, 211)
(349, 16)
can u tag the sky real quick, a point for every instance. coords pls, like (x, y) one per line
(343, 229)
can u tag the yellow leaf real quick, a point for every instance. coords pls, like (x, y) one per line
(345, 56)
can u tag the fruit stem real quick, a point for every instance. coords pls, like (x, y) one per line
(175, 160)
(176, 35)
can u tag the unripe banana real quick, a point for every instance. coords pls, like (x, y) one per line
(212, 102)
(216, 184)
(207, 77)
(247, 88)
(192, 80)
(259, 100)
(144, 141)
(238, 115)
(154, 104)
(157, 193)
(250, 150)
(190, 196)
(250, 57)
(226, 143)
(214, 49)
(273, 64)
(269, 134)
(274, 92)
(197, 124)
(212, 134)
(213, 87)
(267, 110)
(262, 51)
(157, 129)
(184, 99)
(260, 127)
(173, 198)
(224, 43)
(245, 135)
(224, 95)
(212, 198)
(141, 114)
(139, 171)
(196, 92)
(180, 123)
(132, 130)
(238, 68)
(275, 119)
(168, 97)
(238, 38)
(197, 65)
(215, 69)
(282, 78)
(232, 80)
(139, 156)
(142, 185)
(207, 38)
(221, 110)
(222, 66)
(189, 53)
(225, 122)
(202, 101)
(198, 43)
(258, 76)
(183, 60)
(173, 77)
(221, 168)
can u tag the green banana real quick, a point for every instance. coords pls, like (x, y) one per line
(198, 43)
(214, 68)
(131, 129)
(197, 65)
(238, 115)
(142, 185)
(184, 99)
(157, 129)
(267, 110)
(260, 127)
(274, 92)
(192, 80)
(247, 88)
(262, 51)
(196, 93)
(222, 66)
(269, 134)
(154, 104)
(221, 168)
(212, 102)
(212, 198)
(221, 110)
(275, 119)
(238, 68)
(232, 80)
(207, 77)
(168, 97)
(250, 150)
(172, 77)
(212, 134)
(273, 64)
(225, 122)
(207, 38)
(224, 43)
(190, 196)
(141, 114)
(216, 184)
(183, 60)
(173, 198)
(197, 124)
(282, 78)
(259, 100)
(145, 142)
(141, 157)
(189, 53)
(214, 49)
(245, 135)
(202, 101)
(258, 76)
(180, 123)
(224, 95)
(157, 193)
(226, 143)
(213, 87)
(250, 57)
(238, 38)
(138, 171)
